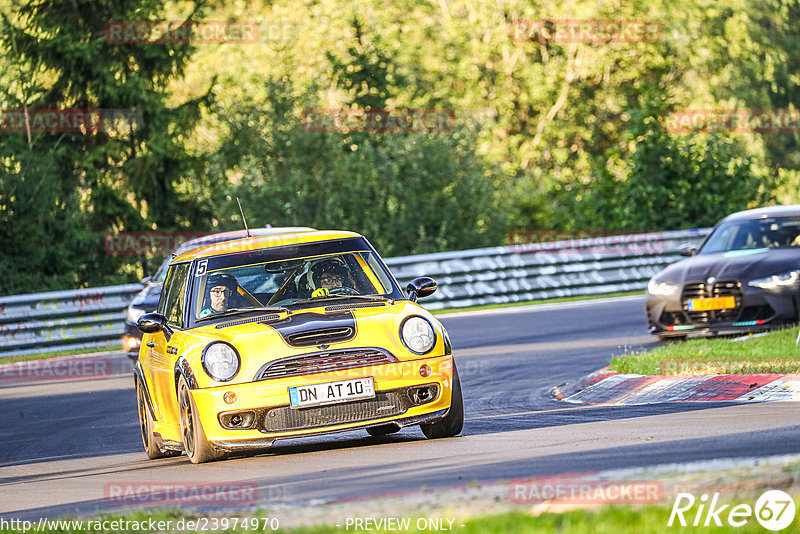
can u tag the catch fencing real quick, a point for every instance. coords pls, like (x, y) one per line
(64, 320)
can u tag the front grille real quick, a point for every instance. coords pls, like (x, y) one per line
(385, 404)
(728, 288)
(722, 288)
(694, 291)
(324, 362)
(324, 336)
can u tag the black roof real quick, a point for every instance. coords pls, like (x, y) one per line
(769, 211)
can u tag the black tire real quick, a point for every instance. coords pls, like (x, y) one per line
(452, 423)
(152, 444)
(383, 430)
(197, 447)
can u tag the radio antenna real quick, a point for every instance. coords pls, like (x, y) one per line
(243, 219)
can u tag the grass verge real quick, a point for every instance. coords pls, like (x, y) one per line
(533, 302)
(44, 355)
(774, 352)
(609, 520)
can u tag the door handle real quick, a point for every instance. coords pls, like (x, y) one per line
(151, 344)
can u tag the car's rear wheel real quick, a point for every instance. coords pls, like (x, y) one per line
(453, 422)
(197, 447)
(383, 430)
(150, 441)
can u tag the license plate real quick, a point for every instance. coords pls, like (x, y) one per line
(717, 303)
(331, 392)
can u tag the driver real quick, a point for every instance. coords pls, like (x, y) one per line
(329, 274)
(219, 288)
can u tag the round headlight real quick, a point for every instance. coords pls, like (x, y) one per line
(220, 361)
(417, 334)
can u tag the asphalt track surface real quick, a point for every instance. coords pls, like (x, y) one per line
(63, 443)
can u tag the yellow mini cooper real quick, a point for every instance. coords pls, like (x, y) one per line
(285, 336)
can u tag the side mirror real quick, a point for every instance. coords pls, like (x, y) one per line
(421, 287)
(146, 280)
(687, 249)
(150, 323)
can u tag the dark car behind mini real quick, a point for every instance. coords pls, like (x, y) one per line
(744, 277)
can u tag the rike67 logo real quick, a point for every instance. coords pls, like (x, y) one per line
(774, 510)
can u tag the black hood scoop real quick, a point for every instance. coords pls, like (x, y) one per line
(307, 329)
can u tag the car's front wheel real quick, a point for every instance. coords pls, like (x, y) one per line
(453, 422)
(150, 441)
(197, 447)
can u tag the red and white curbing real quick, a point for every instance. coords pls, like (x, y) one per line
(610, 387)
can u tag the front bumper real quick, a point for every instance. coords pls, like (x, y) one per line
(756, 310)
(264, 414)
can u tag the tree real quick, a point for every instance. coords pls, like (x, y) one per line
(408, 192)
(66, 189)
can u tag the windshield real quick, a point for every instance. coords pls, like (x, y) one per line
(301, 275)
(754, 234)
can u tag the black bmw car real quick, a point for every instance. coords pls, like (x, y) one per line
(744, 277)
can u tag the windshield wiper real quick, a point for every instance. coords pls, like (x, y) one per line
(372, 298)
(236, 311)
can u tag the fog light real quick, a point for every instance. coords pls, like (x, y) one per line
(229, 397)
(130, 343)
(425, 371)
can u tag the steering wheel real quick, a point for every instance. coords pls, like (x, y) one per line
(344, 290)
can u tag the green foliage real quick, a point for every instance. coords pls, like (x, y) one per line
(548, 134)
(62, 191)
(670, 182)
(408, 192)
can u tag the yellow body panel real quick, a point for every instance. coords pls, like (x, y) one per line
(259, 344)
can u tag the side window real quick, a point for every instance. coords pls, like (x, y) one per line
(378, 270)
(174, 307)
(162, 300)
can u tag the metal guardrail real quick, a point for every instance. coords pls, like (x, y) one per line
(544, 270)
(63, 320)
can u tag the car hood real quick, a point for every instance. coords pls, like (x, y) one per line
(739, 265)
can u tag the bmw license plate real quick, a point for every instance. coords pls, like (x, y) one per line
(717, 303)
(332, 392)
